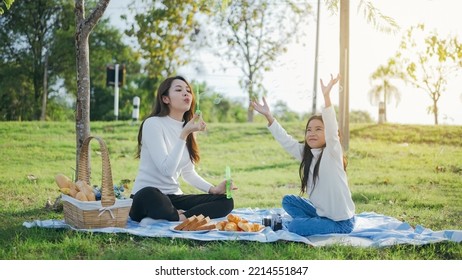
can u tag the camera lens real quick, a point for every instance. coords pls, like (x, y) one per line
(266, 222)
(277, 225)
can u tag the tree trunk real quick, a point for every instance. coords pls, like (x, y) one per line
(252, 96)
(83, 27)
(382, 112)
(43, 116)
(250, 113)
(82, 112)
(385, 100)
(435, 111)
(344, 104)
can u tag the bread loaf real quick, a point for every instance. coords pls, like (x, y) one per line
(185, 223)
(86, 189)
(195, 223)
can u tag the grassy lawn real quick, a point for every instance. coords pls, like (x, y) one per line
(413, 173)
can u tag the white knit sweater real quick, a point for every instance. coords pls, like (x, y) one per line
(331, 195)
(164, 157)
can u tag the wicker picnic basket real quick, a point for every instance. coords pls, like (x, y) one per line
(109, 212)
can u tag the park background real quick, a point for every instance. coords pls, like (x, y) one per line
(411, 172)
(292, 78)
(289, 84)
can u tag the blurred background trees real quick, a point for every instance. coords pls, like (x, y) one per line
(38, 59)
(428, 60)
(383, 90)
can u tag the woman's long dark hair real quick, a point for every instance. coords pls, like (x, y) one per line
(161, 110)
(304, 170)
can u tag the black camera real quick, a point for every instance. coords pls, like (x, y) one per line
(274, 221)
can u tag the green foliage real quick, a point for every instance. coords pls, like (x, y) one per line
(372, 15)
(217, 108)
(357, 116)
(428, 60)
(384, 90)
(165, 32)
(405, 171)
(17, 103)
(107, 48)
(375, 17)
(283, 113)
(24, 48)
(7, 4)
(22, 85)
(255, 34)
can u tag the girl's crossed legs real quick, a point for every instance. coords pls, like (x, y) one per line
(306, 222)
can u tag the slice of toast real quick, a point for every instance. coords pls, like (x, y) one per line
(185, 223)
(199, 224)
(207, 226)
(194, 222)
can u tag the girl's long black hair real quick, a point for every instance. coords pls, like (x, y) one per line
(304, 170)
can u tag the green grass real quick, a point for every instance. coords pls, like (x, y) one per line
(413, 173)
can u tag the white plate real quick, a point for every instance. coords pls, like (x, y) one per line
(241, 232)
(189, 231)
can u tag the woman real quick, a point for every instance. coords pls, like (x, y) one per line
(329, 207)
(167, 149)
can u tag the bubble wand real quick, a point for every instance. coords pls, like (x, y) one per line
(228, 182)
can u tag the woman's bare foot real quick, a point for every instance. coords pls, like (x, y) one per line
(180, 215)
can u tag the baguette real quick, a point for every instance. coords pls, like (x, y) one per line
(185, 223)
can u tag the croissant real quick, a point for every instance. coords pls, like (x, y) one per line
(257, 227)
(221, 225)
(234, 218)
(236, 223)
(231, 226)
(245, 226)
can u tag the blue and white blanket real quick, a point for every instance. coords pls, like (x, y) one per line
(371, 230)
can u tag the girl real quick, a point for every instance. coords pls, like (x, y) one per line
(329, 207)
(167, 149)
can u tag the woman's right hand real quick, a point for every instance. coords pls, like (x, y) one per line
(221, 188)
(264, 110)
(195, 124)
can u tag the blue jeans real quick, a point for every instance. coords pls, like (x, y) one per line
(306, 222)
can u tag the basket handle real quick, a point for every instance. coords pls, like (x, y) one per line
(107, 187)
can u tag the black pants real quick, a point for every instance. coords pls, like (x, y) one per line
(152, 203)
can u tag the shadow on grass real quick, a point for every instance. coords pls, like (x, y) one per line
(12, 228)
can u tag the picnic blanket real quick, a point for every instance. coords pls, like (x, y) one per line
(371, 230)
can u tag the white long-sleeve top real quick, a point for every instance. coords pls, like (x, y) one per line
(331, 196)
(164, 157)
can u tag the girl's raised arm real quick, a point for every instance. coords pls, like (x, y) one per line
(264, 110)
(326, 89)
